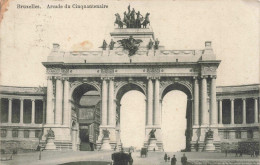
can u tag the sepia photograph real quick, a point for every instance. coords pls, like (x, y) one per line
(129, 82)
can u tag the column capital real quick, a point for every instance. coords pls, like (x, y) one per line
(32, 100)
(65, 78)
(104, 78)
(153, 77)
(10, 99)
(232, 99)
(58, 78)
(195, 77)
(213, 76)
(255, 98)
(204, 76)
(244, 99)
(49, 77)
(111, 78)
(22, 99)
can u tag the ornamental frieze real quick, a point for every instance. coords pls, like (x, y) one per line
(107, 71)
(53, 70)
(208, 70)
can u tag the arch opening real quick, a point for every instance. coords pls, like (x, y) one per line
(86, 104)
(131, 115)
(176, 117)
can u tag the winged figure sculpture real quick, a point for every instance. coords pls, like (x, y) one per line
(130, 44)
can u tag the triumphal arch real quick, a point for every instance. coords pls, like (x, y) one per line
(133, 59)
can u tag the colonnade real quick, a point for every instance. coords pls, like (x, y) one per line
(21, 120)
(232, 116)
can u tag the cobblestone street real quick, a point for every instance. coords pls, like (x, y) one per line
(154, 158)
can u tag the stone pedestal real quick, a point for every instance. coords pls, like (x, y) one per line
(106, 146)
(50, 144)
(209, 147)
(152, 144)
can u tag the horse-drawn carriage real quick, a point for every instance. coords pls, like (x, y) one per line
(121, 158)
(144, 152)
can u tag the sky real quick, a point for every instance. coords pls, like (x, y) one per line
(232, 26)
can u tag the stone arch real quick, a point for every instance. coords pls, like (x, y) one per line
(120, 91)
(77, 85)
(183, 86)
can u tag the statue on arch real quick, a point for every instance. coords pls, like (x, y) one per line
(118, 21)
(104, 45)
(156, 44)
(112, 44)
(130, 44)
(146, 20)
(152, 134)
(150, 44)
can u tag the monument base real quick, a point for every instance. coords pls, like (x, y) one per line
(106, 146)
(50, 144)
(209, 147)
(152, 145)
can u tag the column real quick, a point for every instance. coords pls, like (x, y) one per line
(196, 102)
(58, 101)
(244, 111)
(157, 114)
(66, 107)
(9, 110)
(232, 111)
(33, 111)
(104, 102)
(213, 106)
(150, 102)
(111, 109)
(49, 111)
(204, 101)
(256, 110)
(21, 111)
(43, 112)
(220, 112)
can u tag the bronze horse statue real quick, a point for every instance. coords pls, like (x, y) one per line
(146, 20)
(118, 21)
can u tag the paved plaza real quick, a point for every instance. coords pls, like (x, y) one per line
(154, 158)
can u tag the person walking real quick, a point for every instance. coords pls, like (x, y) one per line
(130, 159)
(173, 160)
(165, 157)
(184, 160)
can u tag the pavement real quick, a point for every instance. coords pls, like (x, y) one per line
(153, 158)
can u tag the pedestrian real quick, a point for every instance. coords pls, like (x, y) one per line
(173, 160)
(165, 157)
(236, 153)
(184, 160)
(240, 153)
(169, 158)
(252, 153)
(225, 153)
(130, 159)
